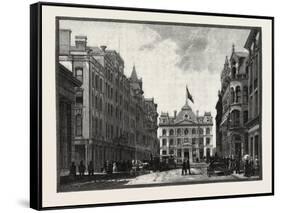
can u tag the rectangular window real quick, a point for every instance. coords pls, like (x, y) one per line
(256, 146)
(79, 73)
(78, 122)
(164, 152)
(207, 141)
(164, 142)
(256, 104)
(171, 142)
(193, 141)
(201, 142)
(101, 126)
(93, 80)
(97, 82)
(179, 141)
(245, 116)
(179, 153)
(79, 97)
(101, 85)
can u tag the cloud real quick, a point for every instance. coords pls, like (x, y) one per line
(198, 48)
(168, 57)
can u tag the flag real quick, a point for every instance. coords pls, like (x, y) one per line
(188, 95)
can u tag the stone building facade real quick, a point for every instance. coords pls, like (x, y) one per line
(218, 123)
(66, 84)
(234, 92)
(253, 45)
(111, 113)
(238, 126)
(186, 135)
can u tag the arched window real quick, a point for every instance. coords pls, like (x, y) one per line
(186, 131)
(200, 131)
(232, 93)
(235, 118)
(238, 94)
(179, 131)
(245, 94)
(78, 121)
(171, 132)
(207, 131)
(164, 132)
(233, 72)
(193, 131)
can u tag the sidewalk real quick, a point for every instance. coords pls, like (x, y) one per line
(100, 177)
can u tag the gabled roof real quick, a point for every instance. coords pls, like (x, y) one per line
(186, 114)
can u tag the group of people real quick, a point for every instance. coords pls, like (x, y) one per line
(82, 169)
(110, 167)
(249, 166)
(185, 167)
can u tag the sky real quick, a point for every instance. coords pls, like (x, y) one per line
(168, 57)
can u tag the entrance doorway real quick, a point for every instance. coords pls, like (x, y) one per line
(186, 154)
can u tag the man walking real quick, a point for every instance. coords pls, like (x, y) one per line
(81, 168)
(188, 166)
(91, 168)
(183, 171)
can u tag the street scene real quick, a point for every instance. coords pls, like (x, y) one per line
(142, 105)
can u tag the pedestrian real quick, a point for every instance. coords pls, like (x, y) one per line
(183, 171)
(246, 168)
(188, 166)
(114, 167)
(72, 170)
(105, 167)
(237, 166)
(91, 168)
(81, 168)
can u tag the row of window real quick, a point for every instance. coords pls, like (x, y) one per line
(236, 95)
(234, 119)
(179, 141)
(185, 131)
(179, 152)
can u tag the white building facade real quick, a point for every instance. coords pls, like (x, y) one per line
(186, 135)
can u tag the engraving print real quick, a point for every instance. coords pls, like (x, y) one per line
(143, 104)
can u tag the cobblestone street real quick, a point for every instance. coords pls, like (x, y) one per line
(198, 175)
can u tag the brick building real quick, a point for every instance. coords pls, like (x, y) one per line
(111, 114)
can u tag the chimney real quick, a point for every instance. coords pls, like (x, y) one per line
(81, 42)
(197, 113)
(64, 41)
(103, 47)
(175, 113)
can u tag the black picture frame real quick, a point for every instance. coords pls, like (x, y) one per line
(36, 103)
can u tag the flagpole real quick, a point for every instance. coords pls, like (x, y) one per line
(186, 95)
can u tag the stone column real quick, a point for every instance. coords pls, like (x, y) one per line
(190, 155)
(86, 154)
